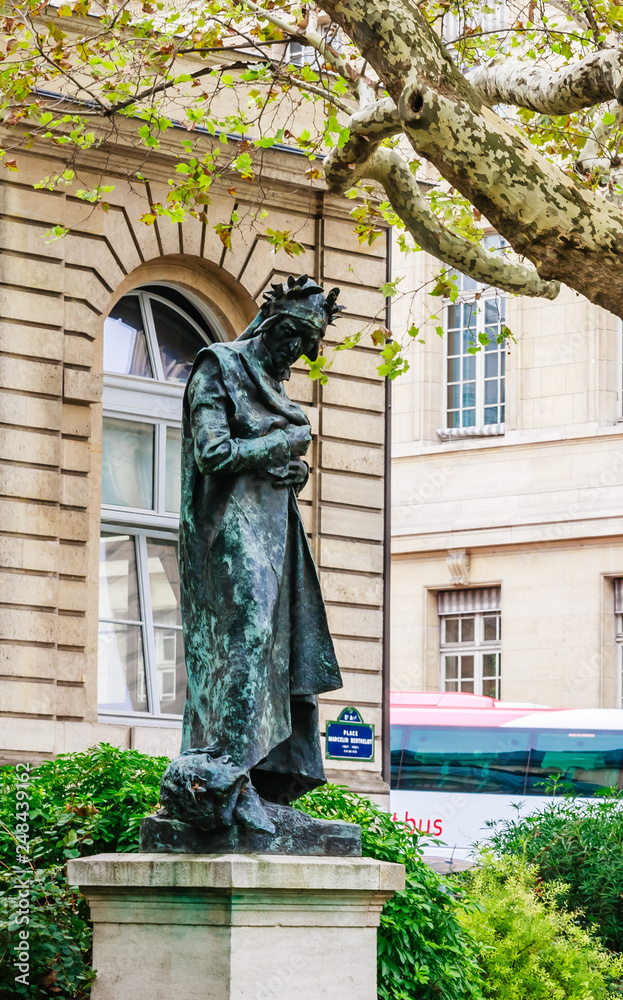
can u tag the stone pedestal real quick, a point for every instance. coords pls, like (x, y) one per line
(234, 927)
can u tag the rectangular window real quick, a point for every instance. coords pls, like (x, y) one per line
(141, 465)
(475, 379)
(475, 361)
(470, 641)
(141, 649)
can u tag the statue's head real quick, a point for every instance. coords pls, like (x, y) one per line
(294, 318)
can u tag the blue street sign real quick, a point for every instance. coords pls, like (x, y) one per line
(349, 738)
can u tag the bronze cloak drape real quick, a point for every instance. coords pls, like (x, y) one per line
(258, 647)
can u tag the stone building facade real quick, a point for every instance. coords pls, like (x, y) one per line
(507, 498)
(56, 395)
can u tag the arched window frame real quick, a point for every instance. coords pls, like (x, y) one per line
(157, 402)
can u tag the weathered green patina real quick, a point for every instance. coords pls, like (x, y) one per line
(258, 646)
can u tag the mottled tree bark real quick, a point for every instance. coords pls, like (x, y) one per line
(567, 231)
(590, 81)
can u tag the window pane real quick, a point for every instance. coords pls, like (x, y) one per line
(469, 314)
(396, 753)
(469, 418)
(467, 760)
(466, 283)
(467, 667)
(454, 320)
(584, 762)
(467, 630)
(164, 581)
(118, 582)
(125, 344)
(452, 630)
(164, 585)
(491, 627)
(173, 484)
(491, 391)
(491, 365)
(491, 333)
(451, 665)
(454, 342)
(454, 369)
(121, 671)
(491, 312)
(469, 367)
(469, 338)
(489, 664)
(395, 737)
(454, 396)
(491, 415)
(467, 687)
(171, 670)
(490, 688)
(178, 342)
(127, 463)
(469, 394)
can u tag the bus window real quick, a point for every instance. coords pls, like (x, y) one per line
(582, 762)
(396, 733)
(464, 760)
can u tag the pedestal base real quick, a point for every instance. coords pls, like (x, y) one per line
(234, 927)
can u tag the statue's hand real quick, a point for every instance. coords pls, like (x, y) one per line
(298, 474)
(299, 438)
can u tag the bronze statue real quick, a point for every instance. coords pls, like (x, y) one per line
(257, 643)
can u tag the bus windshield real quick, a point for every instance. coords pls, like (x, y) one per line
(505, 761)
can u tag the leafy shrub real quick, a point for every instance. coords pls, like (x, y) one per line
(423, 951)
(530, 949)
(82, 803)
(59, 935)
(79, 804)
(578, 842)
(431, 941)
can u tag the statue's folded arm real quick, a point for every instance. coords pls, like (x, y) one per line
(216, 452)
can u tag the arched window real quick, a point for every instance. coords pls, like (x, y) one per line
(151, 338)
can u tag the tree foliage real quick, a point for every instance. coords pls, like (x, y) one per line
(515, 106)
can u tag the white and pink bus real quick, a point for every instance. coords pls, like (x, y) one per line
(460, 761)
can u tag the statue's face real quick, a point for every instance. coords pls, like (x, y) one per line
(289, 340)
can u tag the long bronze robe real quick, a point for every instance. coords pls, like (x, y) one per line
(258, 646)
